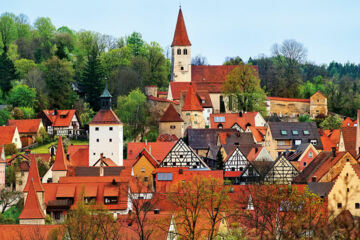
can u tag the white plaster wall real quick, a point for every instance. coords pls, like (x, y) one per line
(47, 175)
(206, 113)
(112, 150)
(259, 120)
(178, 61)
(16, 139)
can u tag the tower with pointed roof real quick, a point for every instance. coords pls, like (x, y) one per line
(59, 168)
(180, 53)
(106, 133)
(171, 123)
(192, 111)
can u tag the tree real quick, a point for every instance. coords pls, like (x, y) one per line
(23, 66)
(7, 31)
(10, 176)
(28, 112)
(10, 149)
(87, 114)
(59, 79)
(233, 61)
(331, 122)
(22, 96)
(219, 160)
(8, 198)
(123, 80)
(65, 44)
(136, 44)
(242, 86)
(93, 79)
(4, 116)
(133, 112)
(7, 72)
(45, 30)
(199, 60)
(304, 118)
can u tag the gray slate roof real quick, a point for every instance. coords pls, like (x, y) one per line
(321, 189)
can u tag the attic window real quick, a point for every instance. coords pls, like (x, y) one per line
(357, 205)
(310, 154)
(313, 141)
(62, 116)
(306, 132)
(283, 132)
(182, 68)
(339, 205)
(297, 141)
(295, 132)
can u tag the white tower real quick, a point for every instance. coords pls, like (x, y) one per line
(106, 133)
(180, 53)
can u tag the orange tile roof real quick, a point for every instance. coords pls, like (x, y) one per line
(105, 116)
(191, 101)
(65, 191)
(348, 122)
(157, 99)
(79, 155)
(167, 138)
(259, 137)
(213, 74)
(63, 118)
(111, 191)
(7, 134)
(26, 125)
(91, 190)
(327, 143)
(247, 119)
(60, 159)
(33, 177)
(171, 115)
(349, 136)
(157, 149)
(26, 232)
(254, 152)
(32, 209)
(289, 99)
(180, 36)
(177, 88)
(327, 165)
(148, 156)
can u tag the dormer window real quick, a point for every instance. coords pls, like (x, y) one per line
(185, 51)
(313, 141)
(306, 132)
(283, 132)
(179, 51)
(295, 132)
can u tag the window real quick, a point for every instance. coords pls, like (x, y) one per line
(172, 127)
(88, 200)
(348, 189)
(181, 156)
(57, 215)
(233, 169)
(313, 141)
(195, 122)
(313, 179)
(97, 140)
(306, 132)
(110, 140)
(110, 128)
(310, 154)
(179, 51)
(187, 114)
(146, 179)
(97, 129)
(241, 169)
(195, 114)
(295, 132)
(357, 205)
(304, 164)
(182, 68)
(283, 132)
(185, 51)
(281, 143)
(236, 144)
(110, 200)
(298, 142)
(94, 154)
(62, 116)
(339, 205)
(142, 169)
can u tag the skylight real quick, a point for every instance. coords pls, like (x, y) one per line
(306, 132)
(295, 132)
(283, 132)
(219, 119)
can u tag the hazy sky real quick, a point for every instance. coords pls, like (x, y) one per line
(329, 29)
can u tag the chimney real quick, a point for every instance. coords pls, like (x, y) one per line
(333, 150)
(102, 166)
(256, 150)
(240, 114)
(55, 112)
(156, 211)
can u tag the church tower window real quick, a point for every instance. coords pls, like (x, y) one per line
(179, 51)
(185, 51)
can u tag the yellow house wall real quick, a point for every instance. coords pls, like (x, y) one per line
(143, 162)
(288, 108)
(164, 128)
(194, 119)
(336, 169)
(270, 144)
(318, 105)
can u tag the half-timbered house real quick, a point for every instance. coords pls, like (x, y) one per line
(282, 172)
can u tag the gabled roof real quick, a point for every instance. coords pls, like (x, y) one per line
(228, 120)
(254, 153)
(158, 149)
(60, 118)
(320, 188)
(258, 133)
(7, 134)
(349, 136)
(26, 125)
(33, 177)
(327, 143)
(203, 97)
(191, 101)
(348, 122)
(148, 156)
(105, 116)
(79, 155)
(60, 158)
(32, 209)
(212, 74)
(171, 115)
(180, 36)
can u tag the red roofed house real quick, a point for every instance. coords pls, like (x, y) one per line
(28, 129)
(106, 133)
(61, 122)
(239, 121)
(144, 166)
(171, 123)
(192, 111)
(10, 134)
(158, 150)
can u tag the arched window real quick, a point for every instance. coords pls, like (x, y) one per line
(185, 51)
(179, 51)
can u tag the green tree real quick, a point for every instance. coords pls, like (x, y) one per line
(136, 44)
(23, 66)
(10, 176)
(22, 96)
(115, 58)
(65, 44)
(304, 118)
(92, 80)
(233, 61)
(219, 160)
(242, 86)
(7, 72)
(28, 112)
(7, 31)
(331, 122)
(87, 114)
(59, 77)
(5, 115)
(45, 30)
(133, 112)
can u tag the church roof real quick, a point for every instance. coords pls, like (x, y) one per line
(33, 177)
(60, 159)
(106, 93)
(32, 209)
(105, 116)
(171, 115)
(191, 102)
(180, 36)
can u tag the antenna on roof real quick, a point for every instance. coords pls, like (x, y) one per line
(180, 5)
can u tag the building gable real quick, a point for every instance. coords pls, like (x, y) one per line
(181, 155)
(282, 172)
(236, 161)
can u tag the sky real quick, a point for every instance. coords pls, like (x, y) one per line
(329, 29)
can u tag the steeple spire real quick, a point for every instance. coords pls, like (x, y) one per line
(32, 209)
(60, 159)
(33, 177)
(105, 98)
(180, 36)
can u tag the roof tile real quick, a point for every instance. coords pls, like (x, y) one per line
(60, 159)
(180, 36)
(171, 115)
(32, 209)
(26, 125)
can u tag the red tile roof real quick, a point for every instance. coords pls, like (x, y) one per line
(7, 134)
(232, 173)
(26, 125)
(327, 143)
(32, 209)
(33, 177)
(289, 99)
(60, 158)
(26, 232)
(247, 119)
(349, 136)
(171, 115)
(180, 36)
(191, 101)
(157, 99)
(65, 191)
(148, 156)
(63, 118)
(105, 116)
(254, 152)
(348, 122)
(167, 138)
(258, 133)
(157, 149)
(177, 87)
(212, 73)
(79, 155)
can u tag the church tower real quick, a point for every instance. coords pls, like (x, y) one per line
(106, 133)
(180, 53)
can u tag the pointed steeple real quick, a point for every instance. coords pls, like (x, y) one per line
(180, 36)
(60, 159)
(105, 98)
(33, 177)
(32, 208)
(171, 115)
(191, 101)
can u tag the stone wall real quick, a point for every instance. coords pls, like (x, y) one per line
(318, 105)
(194, 119)
(289, 108)
(157, 108)
(176, 128)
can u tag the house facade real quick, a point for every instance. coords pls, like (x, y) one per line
(61, 122)
(28, 129)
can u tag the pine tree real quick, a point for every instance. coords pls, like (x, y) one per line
(92, 80)
(219, 161)
(7, 73)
